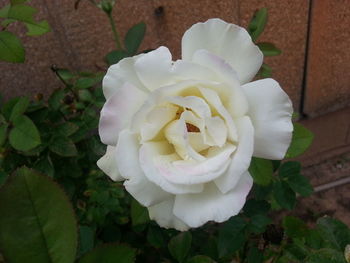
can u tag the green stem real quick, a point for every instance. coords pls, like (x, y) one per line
(115, 32)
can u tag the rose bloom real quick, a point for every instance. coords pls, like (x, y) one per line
(182, 133)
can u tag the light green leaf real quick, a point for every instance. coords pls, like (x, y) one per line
(180, 245)
(38, 28)
(63, 146)
(134, 38)
(37, 222)
(11, 48)
(269, 49)
(261, 170)
(295, 227)
(110, 253)
(301, 140)
(257, 24)
(19, 108)
(24, 136)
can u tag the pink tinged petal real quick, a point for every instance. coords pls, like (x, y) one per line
(163, 214)
(119, 74)
(227, 41)
(118, 111)
(271, 112)
(108, 164)
(154, 68)
(144, 191)
(155, 120)
(156, 160)
(230, 94)
(241, 158)
(213, 99)
(212, 205)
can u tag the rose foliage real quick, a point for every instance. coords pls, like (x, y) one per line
(182, 133)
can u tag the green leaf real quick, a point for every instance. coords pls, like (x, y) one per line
(290, 171)
(265, 71)
(11, 48)
(85, 95)
(261, 170)
(16, 2)
(284, 195)
(254, 207)
(180, 245)
(301, 140)
(295, 227)
(64, 74)
(38, 29)
(257, 23)
(4, 11)
(67, 128)
(295, 253)
(155, 237)
(3, 177)
(255, 255)
(258, 223)
(110, 253)
(139, 213)
(334, 232)
(115, 56)
(45, 166)
(134, 38)
(24, 136)
(269, 49)
(84, 83)
(314, 239)
(63, 146)
(86, 237)
(231, 236)
(3, 133)
(37, 222)
(200, 259)
(56, 99)
(19, 108)
(326, 255)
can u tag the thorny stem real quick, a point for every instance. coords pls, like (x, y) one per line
(115, 32)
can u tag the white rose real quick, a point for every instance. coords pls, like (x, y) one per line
(182, 133)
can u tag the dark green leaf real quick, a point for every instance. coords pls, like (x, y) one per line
(180, 245)
(16, 2)
(314, 239)
(261, 170)
(269, 49)
(231, 236)
(284, 195)
(37, 222)
(3, 177)
(254, 255)
(85, 95)
(45, 166)
(56, 99)
(115, 56)
(254, 207)
(110, 254)
(68, 128)
(64, 74)
(295, 253)
(326, 255)
(19, 108)
(4, 11)
(86, 82)
(200, 259)
(334, 232)
(301, 140)
(24, 136)
(8, 106)
(11, 48)
(155, 237)
(139, 213)
(258, 223)
(257, 24)
(63, 146)
(289, 169)
(3, 133)
(265, 71)
(134, 38)
(86, 237)
(295, 227)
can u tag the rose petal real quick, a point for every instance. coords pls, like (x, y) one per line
(229, 42)
(117, 112)
(211, 205)
(270, 111)
(119, 74)
(163, 214)
(154, 68)
(108, 164)
(143, 190)
(241, 158)
(154, 157)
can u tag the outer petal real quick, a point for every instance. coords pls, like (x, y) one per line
(117, 112)
(119, 74)
(229, 42)
(271, 112)
(108, 164)
(197, 209)
(154, 68)
(241, 158)
(163, 214)
(144, 191)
